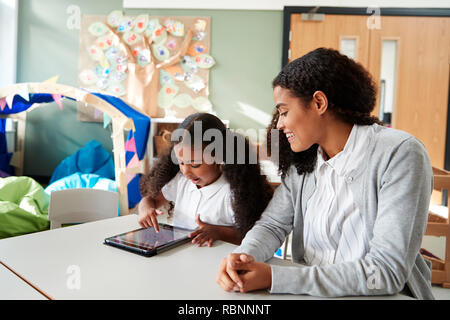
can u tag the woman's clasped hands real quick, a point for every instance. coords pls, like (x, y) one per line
(240, 272)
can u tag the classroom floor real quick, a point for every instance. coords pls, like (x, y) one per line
(441, 293)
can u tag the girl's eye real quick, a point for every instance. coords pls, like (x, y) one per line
(195, 165)
(283, 114)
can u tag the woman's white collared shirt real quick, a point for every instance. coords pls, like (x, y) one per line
(212, 202)
(333, 224)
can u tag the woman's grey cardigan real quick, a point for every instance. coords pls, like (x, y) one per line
(392, 190)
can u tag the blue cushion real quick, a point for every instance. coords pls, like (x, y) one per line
(92, 158)
(82, 180)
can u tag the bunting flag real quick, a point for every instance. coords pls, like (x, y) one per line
(130, 145)
(2, 103)
(58, 100)
(130, 176)
(24, 92)
(9, 100)
(134, 162)
(106, 120)
(52, 79)
(97, 113)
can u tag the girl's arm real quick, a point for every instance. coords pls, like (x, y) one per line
(147, 210)
(229, 234)
(209, 233)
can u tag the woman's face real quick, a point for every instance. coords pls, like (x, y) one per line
(299, 122)
(193, 166)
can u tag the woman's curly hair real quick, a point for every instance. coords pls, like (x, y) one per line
(349, 88)
(250, 190)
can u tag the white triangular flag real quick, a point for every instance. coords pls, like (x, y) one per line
(24, 92)
(106, 120)
(9, 100)
(52, 79)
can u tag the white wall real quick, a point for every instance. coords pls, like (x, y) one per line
(8, 41)
(279, 4)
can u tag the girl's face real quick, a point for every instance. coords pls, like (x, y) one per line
(299, 122)
(193, 166)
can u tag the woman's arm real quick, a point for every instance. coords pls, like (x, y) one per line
(402, 209)
(241, 271)
(276, 222)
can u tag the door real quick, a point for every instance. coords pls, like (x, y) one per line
(420, 47)
(420, 97)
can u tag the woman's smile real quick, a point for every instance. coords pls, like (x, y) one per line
(290, 136)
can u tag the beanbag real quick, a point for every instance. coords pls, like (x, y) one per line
(82, 180)
(92, 158)
(23, 207)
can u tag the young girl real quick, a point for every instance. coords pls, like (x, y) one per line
(220, 198)
(354, 194)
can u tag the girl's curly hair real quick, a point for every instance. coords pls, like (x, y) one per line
(250, 190)
(349, 88)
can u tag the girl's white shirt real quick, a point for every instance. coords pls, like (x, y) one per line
(212, 202)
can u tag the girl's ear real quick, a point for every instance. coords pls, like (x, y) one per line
(320, 102)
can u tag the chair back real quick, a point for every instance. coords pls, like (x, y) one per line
(72, 206)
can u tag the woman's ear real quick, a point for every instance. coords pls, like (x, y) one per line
(320, 102)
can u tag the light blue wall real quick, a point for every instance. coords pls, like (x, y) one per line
(245, 44)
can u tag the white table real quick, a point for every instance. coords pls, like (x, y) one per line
(51, 260)
(14, 288)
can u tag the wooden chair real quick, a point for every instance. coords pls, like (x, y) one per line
(440, 227)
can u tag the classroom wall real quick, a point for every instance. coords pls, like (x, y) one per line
(245, 44)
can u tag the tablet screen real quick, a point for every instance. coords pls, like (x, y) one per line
(149, 239)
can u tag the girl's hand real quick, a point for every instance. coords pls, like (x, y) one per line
(240, 273)
(147, 216)
(204, 233)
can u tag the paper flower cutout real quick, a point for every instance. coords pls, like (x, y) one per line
(95, 53)
(88, 77)
(205, 61)
(175, 28)
(131, 38)
(125, 24)
(140, 23)
(188, 64)
(165, 78)
(195, 83)
(196, 49)
(98, 29)
(183, 100)
(114, 18)
(200, 25)
(105, 42)
(160, 52)
(202, 104)
(144, 57)
(166, 95)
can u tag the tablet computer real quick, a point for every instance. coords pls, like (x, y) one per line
(147, 242)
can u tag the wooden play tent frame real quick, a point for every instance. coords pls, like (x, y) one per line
(440, 227)
(120, 123)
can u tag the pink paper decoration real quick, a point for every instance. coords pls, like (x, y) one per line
(130, 145)
(134, 162)
(58, 100)
(130, 176)
(97, 113)
(2, 103)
